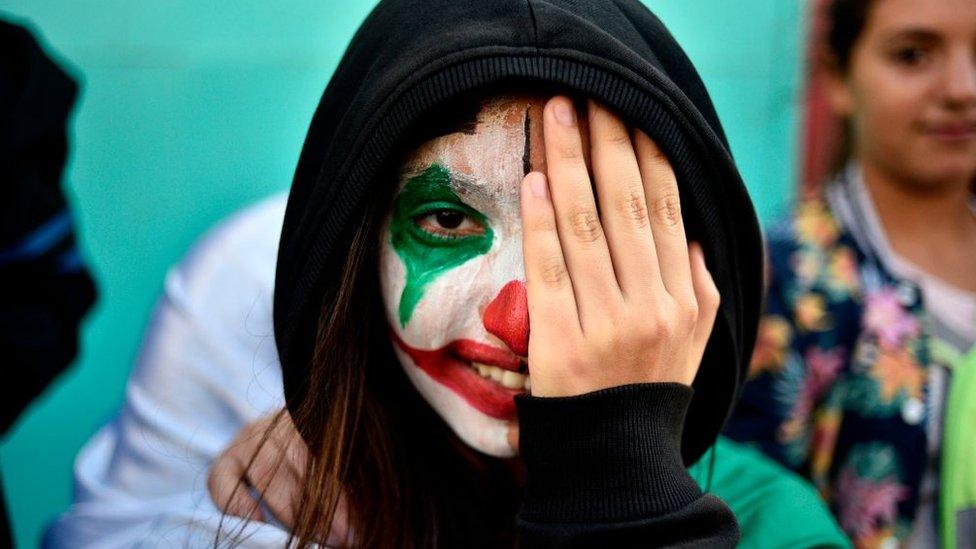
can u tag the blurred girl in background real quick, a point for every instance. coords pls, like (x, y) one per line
(865, 355)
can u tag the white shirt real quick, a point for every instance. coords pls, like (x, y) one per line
(208, 366)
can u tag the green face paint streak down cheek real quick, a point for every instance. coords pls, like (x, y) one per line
(427, 255)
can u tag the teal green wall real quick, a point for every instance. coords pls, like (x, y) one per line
(192, 109)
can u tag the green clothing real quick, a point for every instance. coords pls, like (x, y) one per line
(774, 506)
(958, 496)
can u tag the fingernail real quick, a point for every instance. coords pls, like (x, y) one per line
(564, 113)
(537, 183)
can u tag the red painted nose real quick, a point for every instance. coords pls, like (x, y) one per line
(507, 316)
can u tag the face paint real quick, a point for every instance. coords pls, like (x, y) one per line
(427, 254)
(451, 270)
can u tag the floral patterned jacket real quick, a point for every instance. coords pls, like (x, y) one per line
(838, 380)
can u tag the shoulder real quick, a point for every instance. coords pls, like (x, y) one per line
(811, 249)
(762, 494)
(248, 240)
(206, 367)
(810, 225)
(211, 335)
(230, 270)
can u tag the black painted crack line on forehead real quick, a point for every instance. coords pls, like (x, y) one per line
(527, 150)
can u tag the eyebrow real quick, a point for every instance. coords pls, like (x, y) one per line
(467, 187)
(917, 34)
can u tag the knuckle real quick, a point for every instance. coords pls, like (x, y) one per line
(706, 292)
(687, 307)
(617, 136)
(660, 323)
(237, 505)
(652, 329)
(542, 224)
(585, 224)
(220, 479)
(569, 151)
(227, 464)
(622, 340)
(711, 298)
(553, 272)
(260, 471)
(579, 361)
(712, 291)
(250, 430)
(667, 210)
(606, 336)
(296, 453)
(575, 364)
(654, 156)
(642, 327)
(633, 207)
(667, 330)
(684, 325)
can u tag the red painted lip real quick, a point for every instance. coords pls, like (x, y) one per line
(472, 351)
(450, 366)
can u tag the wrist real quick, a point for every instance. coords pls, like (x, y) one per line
(616, 451)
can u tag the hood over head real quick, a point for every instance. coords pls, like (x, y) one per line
(410, 56)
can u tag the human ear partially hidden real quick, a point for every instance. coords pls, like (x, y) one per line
(837, 86)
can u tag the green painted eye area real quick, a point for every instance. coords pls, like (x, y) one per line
(433, 231)
(440, 222)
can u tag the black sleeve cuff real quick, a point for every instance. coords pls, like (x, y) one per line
(608, 456)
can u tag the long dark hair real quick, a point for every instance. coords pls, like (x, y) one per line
(845, 22)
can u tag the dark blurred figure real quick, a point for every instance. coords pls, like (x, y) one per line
(44, 288)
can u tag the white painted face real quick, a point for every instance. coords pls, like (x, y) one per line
(452, 275)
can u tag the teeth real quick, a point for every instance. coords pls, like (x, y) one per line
(512, 380)
(505, 378)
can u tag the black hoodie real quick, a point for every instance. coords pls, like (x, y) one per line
(409, 57)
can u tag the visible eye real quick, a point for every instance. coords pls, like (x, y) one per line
(449, 224)
(910, 56)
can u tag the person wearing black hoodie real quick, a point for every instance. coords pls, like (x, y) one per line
(448, 255)
(406, 60)
(604, 454)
